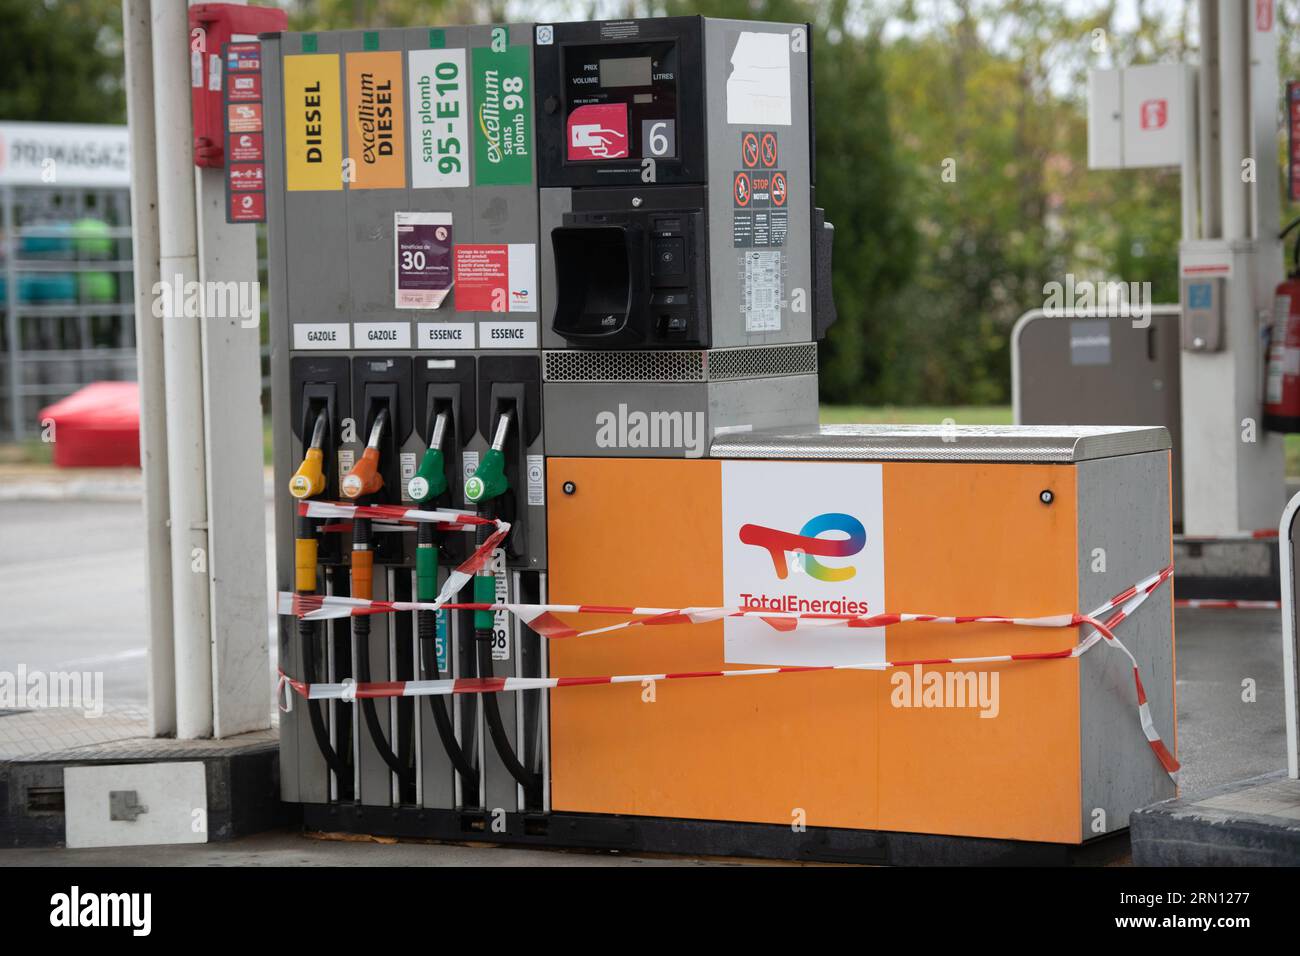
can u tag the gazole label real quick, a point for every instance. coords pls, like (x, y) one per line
(376, 125)
(313, 135)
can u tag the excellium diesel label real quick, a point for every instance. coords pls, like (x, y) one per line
(376, 127)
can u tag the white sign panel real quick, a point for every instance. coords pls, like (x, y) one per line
(801, 537)
(321, 335)
(445, 335)
(439, 119)
(157, 803)
(382, 335)
(1137, 116)
(758, 87)
(507, 335)
(64, 154)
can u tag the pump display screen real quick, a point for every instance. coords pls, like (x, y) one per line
(628, 71)
(620, 101)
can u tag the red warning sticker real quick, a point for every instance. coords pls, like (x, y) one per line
(769, 150)
(741, 190)
(246, 147)
(778, 189)
(245, 177)
(749, 150)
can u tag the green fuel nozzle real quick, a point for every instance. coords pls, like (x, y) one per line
(430, 478)
(489, 480)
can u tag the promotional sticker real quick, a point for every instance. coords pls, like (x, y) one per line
(439, 119)
(496, 278)
(423, 244)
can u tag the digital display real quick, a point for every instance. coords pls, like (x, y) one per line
(620, 101)
(625, 71)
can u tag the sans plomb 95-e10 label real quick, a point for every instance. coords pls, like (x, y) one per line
(439, 119)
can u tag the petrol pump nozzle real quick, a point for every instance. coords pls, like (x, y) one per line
(309, 480)
(489, 479)
(364, 477)
(430, 479)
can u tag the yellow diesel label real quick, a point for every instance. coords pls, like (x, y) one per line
(376, 127)
(313, 134)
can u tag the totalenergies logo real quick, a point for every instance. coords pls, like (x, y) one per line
(809, 544)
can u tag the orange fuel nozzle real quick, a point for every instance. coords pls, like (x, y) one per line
(309, 480)
(364, 477)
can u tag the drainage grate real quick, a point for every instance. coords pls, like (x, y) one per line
(765, 362)
(680, 366)
(594, 366)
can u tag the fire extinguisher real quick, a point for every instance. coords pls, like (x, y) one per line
(1282, 377)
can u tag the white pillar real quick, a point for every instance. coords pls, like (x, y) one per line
(149, 364)
(232, 393)
(1207, 105)
(178, 263)
(1233, 471)
(1234, 120)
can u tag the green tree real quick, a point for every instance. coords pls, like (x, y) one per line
(61, 61)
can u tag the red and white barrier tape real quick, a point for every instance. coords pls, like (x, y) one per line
(1262, 534)
(1225, 605)
(448, 520)
(541, 618)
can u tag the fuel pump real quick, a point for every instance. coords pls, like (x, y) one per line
(362, 481)
(308, 482)
(428, 486)
(489, 488)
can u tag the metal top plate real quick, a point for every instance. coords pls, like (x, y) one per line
(1025, 443)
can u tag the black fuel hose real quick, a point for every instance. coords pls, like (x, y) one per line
(361, 543)
(527, 778)
(427, 628)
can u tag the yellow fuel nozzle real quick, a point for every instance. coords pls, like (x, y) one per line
(364, 477)
(309, 480)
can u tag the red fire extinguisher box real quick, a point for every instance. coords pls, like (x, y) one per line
(211, 26)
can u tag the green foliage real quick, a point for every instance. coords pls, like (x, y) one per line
(61, 61)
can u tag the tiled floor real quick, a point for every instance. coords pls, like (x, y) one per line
(120, 732)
